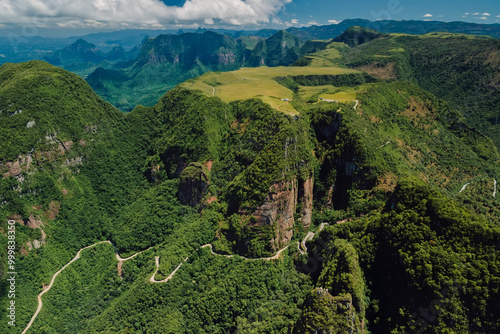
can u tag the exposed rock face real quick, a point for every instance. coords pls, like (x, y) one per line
(278, 210)
(53, 210)
(13, 169)
(280, 206)
(34, 222)
(226, 58)
(188, 50)
(194, 184)
(16, 167)
(24, 161)
(306, 198)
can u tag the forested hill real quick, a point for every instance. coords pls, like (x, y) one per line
(345, 194)
(461, 69)
(43, 105)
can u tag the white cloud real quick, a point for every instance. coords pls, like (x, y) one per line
(483, 18)
(486, 14)
(333, 21)
(294, 21)
(498, 15)
(475, 14)
(466, 13)
(138, 13)
(427, 15)
(276, 20)
(312, 23)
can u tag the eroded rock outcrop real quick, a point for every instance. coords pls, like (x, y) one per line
(284, 201)
(194, 184)
(16, 167)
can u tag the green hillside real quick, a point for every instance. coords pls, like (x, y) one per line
(351, 193)
(461, 69)
(40, 101)
(355, 36)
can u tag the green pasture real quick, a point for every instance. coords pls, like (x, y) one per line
(247, 83)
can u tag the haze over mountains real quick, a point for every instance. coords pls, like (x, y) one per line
(22, 48)
(144, 80)
(282, 183)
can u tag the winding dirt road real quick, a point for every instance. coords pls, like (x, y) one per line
(309, 236)
(121, 260)
(274, 257)
(463, 188)
(356, 105)
(47, 288)
(157, 261)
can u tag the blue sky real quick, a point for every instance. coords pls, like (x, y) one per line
(97, 15)
(458, 10)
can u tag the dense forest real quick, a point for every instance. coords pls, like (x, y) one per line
(371, 208)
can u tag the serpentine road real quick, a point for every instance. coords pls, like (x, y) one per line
(356, 105)
(121, 260)
(47, 288)
(463, 188)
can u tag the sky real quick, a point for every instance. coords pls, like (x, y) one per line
(70, 16)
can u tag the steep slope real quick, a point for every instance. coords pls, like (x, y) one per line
(280, 49)
(394, 170)
(188, 50)
(52, 126)
(35, 112)
(249, 163)
(168, 60)
(202, 131)
(460, 69)
(165, 61)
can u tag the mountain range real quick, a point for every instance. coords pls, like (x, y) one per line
(352, 191)
(167, 60)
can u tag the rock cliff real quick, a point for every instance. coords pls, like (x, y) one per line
(194, 184)
(285, 201)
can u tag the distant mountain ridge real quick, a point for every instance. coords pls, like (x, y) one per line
(183, 56)
(28, 48)
(392, 26)
(185, 50)
(82, 51)
(282, 48)
(357, 35)
(167, 60)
